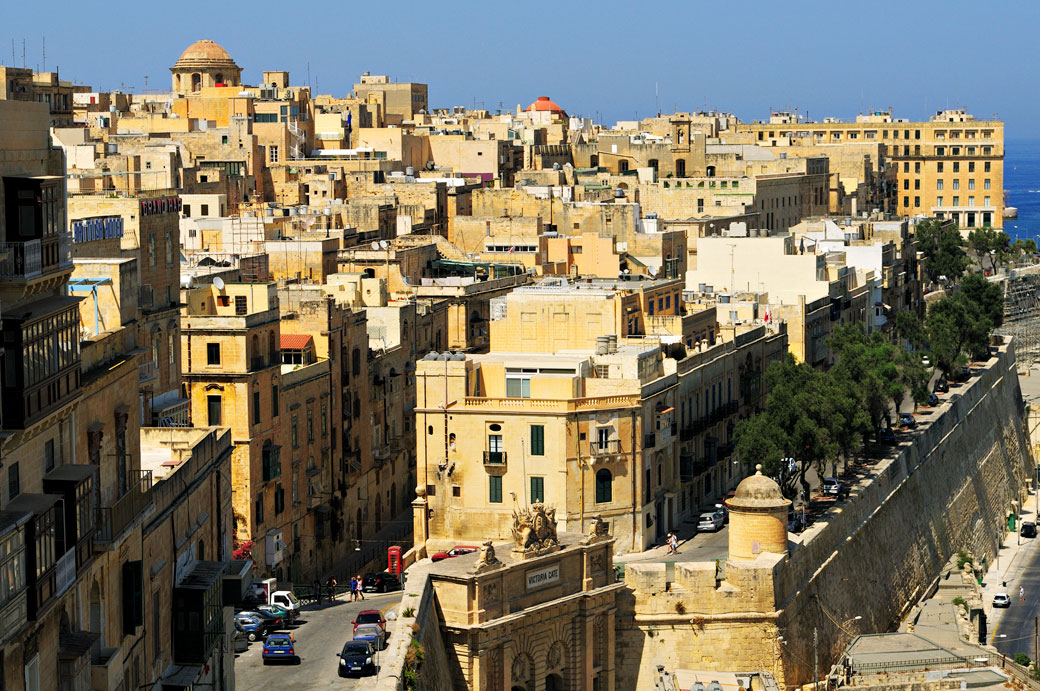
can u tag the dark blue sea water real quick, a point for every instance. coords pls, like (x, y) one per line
(1022, 184)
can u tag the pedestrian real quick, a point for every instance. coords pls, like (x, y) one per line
(353, 589)
(332, 588)
(317, 590)
(668, 539)
(1021, 593)
(360, 590)
(675, 543)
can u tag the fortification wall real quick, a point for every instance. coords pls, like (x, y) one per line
(872, 557)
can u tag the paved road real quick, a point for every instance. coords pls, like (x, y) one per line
(320, 634)
(1014, 633)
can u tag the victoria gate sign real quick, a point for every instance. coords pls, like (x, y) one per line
(104, 228)
(151, 207)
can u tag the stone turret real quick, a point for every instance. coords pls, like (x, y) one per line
(757, 519)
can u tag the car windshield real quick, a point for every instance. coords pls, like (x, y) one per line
(279, 641)
(368, 618)
(355, 649)
(707, 516)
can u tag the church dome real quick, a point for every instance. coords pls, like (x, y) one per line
(204, 53)
(758, 492)
(545, 104)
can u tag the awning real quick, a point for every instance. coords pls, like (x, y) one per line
(666, 410)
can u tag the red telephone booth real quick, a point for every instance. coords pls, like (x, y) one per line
(393, 560)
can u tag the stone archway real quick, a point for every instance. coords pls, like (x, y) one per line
(553, 682)
(521, 673)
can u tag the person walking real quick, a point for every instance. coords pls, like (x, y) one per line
(1021, 593)
(674, 544)
(353, 589)
(668, 539)
(331, 585)
(360, 590)
(317, 590)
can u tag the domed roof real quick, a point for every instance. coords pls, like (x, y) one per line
(543, 103)
(205, 53)
(758, 492)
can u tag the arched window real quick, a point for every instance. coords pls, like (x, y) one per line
(604, 486)
(196, 82)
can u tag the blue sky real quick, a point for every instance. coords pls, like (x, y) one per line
(601, 59)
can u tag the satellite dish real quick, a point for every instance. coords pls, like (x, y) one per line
(218, 282)
(375, 245)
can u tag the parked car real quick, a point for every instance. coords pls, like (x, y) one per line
(886, 436)
(926, 361)
(279, 646)
(941, 386)
(241, 638)
(373, 633)
(1001, 600)
(710, 521)
(288, 616)
(272, 622)
(380, 582)
(356, 658)
(1028, 529)
(369, 616)
(832, 486)
(723, 511)
(253, 627)
(933, 400)
(907, 420)
(453, 552)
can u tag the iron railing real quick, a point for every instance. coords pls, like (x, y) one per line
(23, 260)
(112, 520)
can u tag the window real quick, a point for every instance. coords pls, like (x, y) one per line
(256, 407)
(917, 201)
(906, 184)
(258, 509)
(956, 166)
(13, 482)
(187, 211)
(956, 184)
(906, 166)
(917, 167)
(939, 200)
(971, 200)
(495, 454)
(917, 184)
(604, 486)
(985, 184)
(274, 401)
(212, 353)
(213, 410)
(310, 424)
(906, 201)
(273, 153)
(48, 456)
(537, 440)
(971, 184)
(151, 249)
(956, 200)
(495, 489)
(205, 210)
(985, 201)
(985, 166)
(939, 166)
(939, 184)
(324, 419)
(537, 489)
(279, 499)
(518, 387)
(293, 433)
(971, 166)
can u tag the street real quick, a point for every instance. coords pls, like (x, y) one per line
(1013, 631)
(319, 634)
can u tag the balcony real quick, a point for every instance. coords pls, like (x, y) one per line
(106, 668)
(113, 520)
(146, 372)
(23, 260)
(604, 448)
(495, 458)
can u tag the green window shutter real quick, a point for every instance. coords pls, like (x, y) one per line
(537, 440)
(537, 489)
(495, 489)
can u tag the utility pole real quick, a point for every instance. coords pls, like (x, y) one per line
(815, 659)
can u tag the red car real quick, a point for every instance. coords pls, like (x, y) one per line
(369, 616)
(453, 552)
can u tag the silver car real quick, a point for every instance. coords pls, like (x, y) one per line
(710, 521)
(372, 633)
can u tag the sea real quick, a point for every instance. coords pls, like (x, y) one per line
(1022, 185)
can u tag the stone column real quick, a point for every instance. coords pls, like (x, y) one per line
(420, 520)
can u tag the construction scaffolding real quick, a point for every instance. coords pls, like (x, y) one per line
(1022, 315)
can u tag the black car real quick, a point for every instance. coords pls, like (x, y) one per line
(1028, 529)
(356, 658)
(380, 582)
(941, 386)
(272, 622)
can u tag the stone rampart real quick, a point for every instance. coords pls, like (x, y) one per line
(871, 557)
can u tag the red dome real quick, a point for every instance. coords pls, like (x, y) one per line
(545, 104)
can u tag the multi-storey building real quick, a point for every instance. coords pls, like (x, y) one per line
(951, 166)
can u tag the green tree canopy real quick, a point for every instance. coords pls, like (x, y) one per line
(942, 250)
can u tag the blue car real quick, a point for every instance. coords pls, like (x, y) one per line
(254, 628)
(887, 436)
(279, 646)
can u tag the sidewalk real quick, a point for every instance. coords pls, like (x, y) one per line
(1011, 560)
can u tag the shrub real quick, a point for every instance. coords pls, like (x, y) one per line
(1022, 659)
(963, 558)
(413, 658)
(960, 602)
(408, 612)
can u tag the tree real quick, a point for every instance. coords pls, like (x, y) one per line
(914, 376)
(850, 422)
(759, 440)
(910, 330)
(958, 327)
(991, 243)
(985, 295)
(942, 250)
